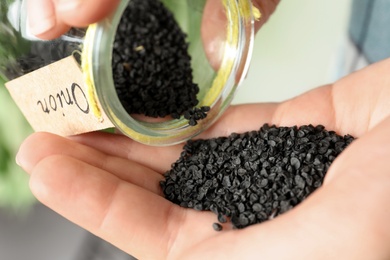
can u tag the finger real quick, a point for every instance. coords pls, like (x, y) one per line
(137, 221)
(372, 148)
(345, 219)
(215, 23)
(214, 31)
(41, 145)
(236, 119)
(158, 159)
(352, 105)
(80, 13)
(353, 206)
(43, 21)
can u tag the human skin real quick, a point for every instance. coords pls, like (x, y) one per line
(109, 184)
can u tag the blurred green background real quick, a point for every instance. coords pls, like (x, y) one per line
(14, 192)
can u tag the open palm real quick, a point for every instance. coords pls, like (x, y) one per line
(109, 184)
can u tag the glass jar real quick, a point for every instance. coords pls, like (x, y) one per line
(220, 37)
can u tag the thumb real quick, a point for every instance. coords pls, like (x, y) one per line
(51, 18)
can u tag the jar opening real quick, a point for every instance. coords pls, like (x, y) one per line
(217, 86)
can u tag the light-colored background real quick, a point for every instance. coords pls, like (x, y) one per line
(298, 49)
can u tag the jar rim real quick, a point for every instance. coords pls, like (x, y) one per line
(98, 54)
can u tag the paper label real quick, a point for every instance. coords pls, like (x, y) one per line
(53, 99)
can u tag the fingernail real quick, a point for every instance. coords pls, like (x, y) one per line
(17, 160)
(68, 5)
(20, 161)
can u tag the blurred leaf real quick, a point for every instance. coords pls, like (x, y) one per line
(14, 191)
(5, 157)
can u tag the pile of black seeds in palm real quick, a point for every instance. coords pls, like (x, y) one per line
(255, 176)
(151, 65)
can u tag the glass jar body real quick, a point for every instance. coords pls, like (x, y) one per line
(220, 44)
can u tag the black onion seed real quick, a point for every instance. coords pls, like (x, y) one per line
(254, 176)
(222, 218)
(151, 64)
(217, 227)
